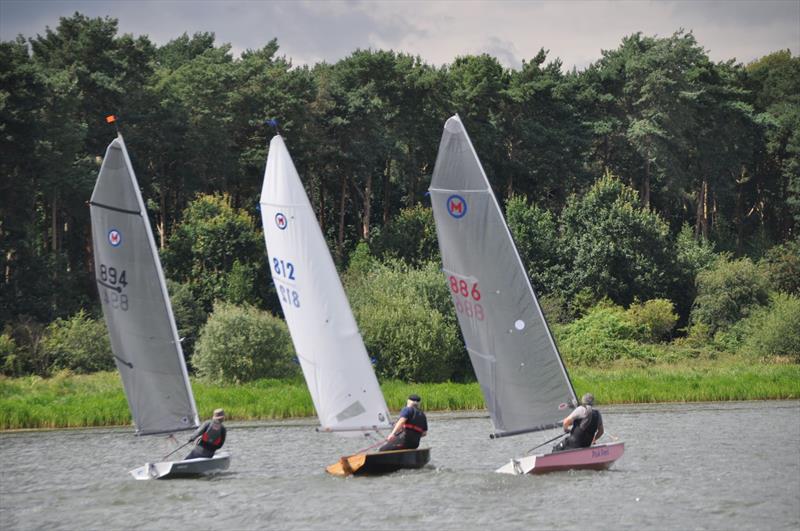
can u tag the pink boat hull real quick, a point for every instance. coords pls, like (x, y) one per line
(597, 457)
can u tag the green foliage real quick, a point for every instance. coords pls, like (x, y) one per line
(775, 330)
(781, 265)
(616, 248)
(604, 334)
(406, 318)
(410, 236)
(657, 317)
(536, 236)
(79, 344)
(9, 356)
(243, 343)
(728, 292)
(218, 251)
(190, 315)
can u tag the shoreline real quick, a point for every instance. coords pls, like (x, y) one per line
(68, 400)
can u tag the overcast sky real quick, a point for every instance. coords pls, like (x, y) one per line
(438, 31)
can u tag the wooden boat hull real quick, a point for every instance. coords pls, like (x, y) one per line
(597, 457)
(190, 468)
(380, 462)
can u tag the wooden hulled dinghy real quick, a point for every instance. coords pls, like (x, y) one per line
(597, 457)
(380, 462)
(337, 369)
(190, 468)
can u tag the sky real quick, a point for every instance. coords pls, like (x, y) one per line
(576, 31)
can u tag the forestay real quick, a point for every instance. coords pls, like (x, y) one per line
(520, 371)
(335, 363)
(136, 307)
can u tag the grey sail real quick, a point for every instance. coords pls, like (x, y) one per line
(520, 371)
(136, 307)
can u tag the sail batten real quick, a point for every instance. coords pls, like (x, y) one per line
(136, 307)
(516, 361)
(335, 363)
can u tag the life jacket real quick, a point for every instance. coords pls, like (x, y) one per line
(415, 422)
(584, 429)
(212, 437)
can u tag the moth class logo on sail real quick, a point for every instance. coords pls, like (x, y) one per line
(280, 221)
(114, 238)
(456, 206)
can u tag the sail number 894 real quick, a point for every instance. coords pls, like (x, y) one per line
(113, 281)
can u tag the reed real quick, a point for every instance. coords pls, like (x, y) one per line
(69, 400)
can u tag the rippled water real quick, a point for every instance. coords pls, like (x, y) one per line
(688, 466)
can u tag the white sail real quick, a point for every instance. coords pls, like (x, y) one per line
(136, 307)
(335, 363)
(515, 358)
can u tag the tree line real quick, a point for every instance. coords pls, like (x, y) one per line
(703, 153)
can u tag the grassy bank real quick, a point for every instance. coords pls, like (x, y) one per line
(97, 400)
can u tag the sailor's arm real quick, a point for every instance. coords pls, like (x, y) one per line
(398, 428)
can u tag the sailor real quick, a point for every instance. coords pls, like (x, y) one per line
(210, 436)
(584, 425)
(409, 428)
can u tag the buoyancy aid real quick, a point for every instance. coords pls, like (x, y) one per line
(584, 429)
(212, 437)
(415, 422)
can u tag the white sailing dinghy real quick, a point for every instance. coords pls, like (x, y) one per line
(332, 355)
(523, 379)
(138, 313)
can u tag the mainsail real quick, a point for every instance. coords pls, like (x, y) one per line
(335, 363)
(520, 371)
(133, 293)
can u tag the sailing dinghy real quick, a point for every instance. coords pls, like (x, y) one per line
(138, 313)
(522, 376)
(332, 355)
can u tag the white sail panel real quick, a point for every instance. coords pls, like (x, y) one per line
(520, 371)
(335, 363)
(137, 311)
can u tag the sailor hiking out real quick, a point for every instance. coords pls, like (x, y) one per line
(409, 428)
(210, 436)
(584, 424)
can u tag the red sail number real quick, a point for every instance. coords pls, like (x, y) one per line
(461, 287)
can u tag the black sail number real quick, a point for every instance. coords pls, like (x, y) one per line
(113, 281)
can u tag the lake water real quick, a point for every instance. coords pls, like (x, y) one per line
(686, 466)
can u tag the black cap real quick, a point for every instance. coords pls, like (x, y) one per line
(414, 398)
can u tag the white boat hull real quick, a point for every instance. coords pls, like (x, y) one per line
(183, 469)
(597, 457)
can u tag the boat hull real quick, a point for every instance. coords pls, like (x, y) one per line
(597, 457)
(380, 462)
(190, 468)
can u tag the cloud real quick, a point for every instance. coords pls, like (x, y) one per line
(438, 31)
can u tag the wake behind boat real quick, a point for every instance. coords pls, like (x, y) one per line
(334, 360)
(137, 310)
(522, 376)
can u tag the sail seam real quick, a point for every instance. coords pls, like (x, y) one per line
(115, 209)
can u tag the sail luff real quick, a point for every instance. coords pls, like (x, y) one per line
(522, 267)
(162, 282)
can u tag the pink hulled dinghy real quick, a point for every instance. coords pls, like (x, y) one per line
(522, 376)
(597, 457)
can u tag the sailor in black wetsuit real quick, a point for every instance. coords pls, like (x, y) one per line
(410, 427)
(584, 424)
(211, 436)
